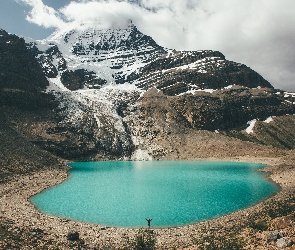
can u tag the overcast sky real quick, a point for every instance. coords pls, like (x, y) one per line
(258, 33)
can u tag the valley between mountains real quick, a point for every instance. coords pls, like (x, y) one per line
(115, 94)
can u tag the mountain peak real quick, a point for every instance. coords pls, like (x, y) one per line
(122, 54)
(80, 29)
(92, 41)
(109, 55)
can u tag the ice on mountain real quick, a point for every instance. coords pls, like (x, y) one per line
(55, 84)
(107, 52)
(207, 90)
(228, 87)
(268, 120)
(251, 124)
(289, 94)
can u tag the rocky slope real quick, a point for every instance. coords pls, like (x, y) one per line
(197, 126)
(22, 99)
(277, 131)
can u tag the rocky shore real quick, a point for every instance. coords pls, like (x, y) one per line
(21, 217)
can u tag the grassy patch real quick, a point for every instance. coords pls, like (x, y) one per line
(144, 240)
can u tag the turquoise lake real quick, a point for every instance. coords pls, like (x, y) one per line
(172, 193)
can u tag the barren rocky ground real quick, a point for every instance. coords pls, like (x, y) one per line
(27, 170)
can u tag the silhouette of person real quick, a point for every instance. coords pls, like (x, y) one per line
(149, 222)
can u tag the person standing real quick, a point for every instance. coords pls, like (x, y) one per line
(149, 222)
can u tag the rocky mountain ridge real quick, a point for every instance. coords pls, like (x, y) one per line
(107, 56)
(116, 94)
(96, 58)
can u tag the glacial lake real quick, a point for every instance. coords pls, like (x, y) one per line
(172, 193)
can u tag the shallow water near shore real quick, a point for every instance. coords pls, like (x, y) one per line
(172, 193)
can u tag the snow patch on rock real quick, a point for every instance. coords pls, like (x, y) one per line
(268, 120)
(249, 129)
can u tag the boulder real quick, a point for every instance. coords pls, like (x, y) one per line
(272, 236)
(284, 242)
(73, 236)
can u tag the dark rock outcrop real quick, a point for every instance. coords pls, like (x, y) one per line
(22, 81)
(272, 236)
(51, 60)
(81, 78)
(18, 67)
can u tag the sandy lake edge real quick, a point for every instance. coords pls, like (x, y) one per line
(16, 207)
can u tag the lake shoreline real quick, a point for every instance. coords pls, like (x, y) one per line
(16, 207)
(115, 188)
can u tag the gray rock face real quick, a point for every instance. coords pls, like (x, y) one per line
(222, 109)
(88, 125)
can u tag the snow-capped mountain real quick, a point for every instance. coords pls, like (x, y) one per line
(95, 57)
(119, 94)
(92, 58)
(84, 68)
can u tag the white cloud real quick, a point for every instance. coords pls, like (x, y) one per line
(258, 33)
(103, 14)
(43, 15)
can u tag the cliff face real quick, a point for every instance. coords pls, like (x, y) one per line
(116, 94)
